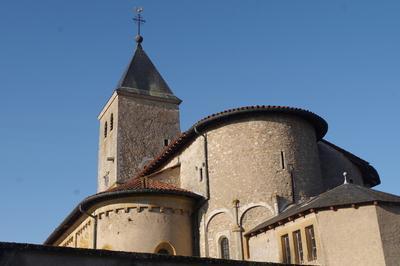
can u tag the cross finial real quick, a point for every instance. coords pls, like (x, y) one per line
(139, 21)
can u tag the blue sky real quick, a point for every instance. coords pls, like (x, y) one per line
(60, 61)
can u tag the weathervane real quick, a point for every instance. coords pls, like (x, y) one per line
(139, 21)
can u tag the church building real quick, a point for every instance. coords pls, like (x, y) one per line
(257, 183)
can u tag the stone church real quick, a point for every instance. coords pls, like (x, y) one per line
(257, 183)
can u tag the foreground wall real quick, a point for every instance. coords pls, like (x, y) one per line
(12, 254)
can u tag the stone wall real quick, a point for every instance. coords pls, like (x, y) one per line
(252, 160)
(141, 128)
(12, 254)
(366, 235)
(136, 224)
(389, 226)
(81, 236)
(267, 246)
(107, 168)
(264, 247)
(350, 236)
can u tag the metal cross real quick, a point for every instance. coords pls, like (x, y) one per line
(138, 19)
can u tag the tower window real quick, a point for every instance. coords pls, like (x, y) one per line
(282, 160)
(166, 142)
(201, 174)
(111, 122)
(298, 247)
(285, 249)
(224, 246)
(106, 180)
(311, 244)
(105, 129)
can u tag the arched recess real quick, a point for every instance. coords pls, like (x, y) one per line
(212, 214)
(165, 248)
(251, 216)
(255, 214)
(218, 225)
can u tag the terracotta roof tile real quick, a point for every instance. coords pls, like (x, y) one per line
(146, 184)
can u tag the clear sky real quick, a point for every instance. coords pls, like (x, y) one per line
(60, 61)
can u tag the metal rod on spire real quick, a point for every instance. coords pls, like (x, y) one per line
(139, 20)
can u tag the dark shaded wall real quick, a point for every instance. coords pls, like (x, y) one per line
(13, 254)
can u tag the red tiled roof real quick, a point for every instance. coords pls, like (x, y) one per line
(146, 184)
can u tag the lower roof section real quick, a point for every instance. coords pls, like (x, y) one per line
(140, 188)
(343, 196)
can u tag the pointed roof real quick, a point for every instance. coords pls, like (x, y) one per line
(142, 77)
(344, 195)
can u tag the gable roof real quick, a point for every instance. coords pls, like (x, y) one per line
(142, 77)
(344, 195)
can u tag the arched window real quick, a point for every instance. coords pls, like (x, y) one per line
(165, 248)
(224, 246)
(111, 122)
(163, 251)
(105, 129)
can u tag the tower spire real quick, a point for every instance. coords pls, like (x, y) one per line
(139, 21)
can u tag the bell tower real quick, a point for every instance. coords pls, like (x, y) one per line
(140, 118)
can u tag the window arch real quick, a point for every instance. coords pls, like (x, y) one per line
(165, 248)
(224, 247)
(105, 129)
(111, 121)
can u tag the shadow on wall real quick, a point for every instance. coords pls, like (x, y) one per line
(13, 254)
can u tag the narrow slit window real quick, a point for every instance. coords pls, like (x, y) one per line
(201, 174)
(298, 247)
(311, 243)
(106, 180)
(166, 142)
(112, 122)
(282, 160)
(285, 249)
(224, 245)
(105, 129)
